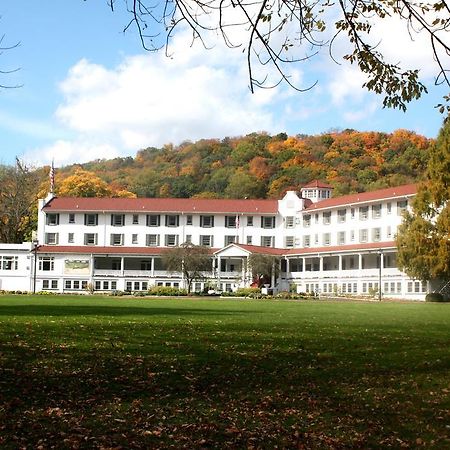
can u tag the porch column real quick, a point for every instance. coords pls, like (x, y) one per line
(219, 264)
(340, 263)
(152, 267)
(287, 266)
(320, 264)
(122, 266)
(243, 273)
(360, 261)
(303, 265)
(272, 275)
(91, 275)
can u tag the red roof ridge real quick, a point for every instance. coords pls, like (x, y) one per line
(379, 194)
(317, 184)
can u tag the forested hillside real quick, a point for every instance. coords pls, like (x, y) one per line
(263, 166)
(253, 166)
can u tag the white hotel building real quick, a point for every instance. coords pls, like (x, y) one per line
(327, 245)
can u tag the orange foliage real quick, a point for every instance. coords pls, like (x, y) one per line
(259, 168)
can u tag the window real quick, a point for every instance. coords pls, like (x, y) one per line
(363, 212)
(91, 219)
(49, 284)
(75, 285)
(267, 241)
(363, 235)
(189, 219)
(206, 240)
(307, 220)
(326, 238)
(46, 263)
(341, 237)
(326, 218)
(70, 238)
(153, 220)
(352, 235)
(134, 238)
(249, 240)
(71, 218)
(230, 240)
(152, 240)
(117, 220)
(352, 213)
(135, 219)
(401, 207)
(289, 241)
(249, 221)
(9, 262)
(116, 239)
(268, 222)
(306, 241)
(172, 220)
(105, 285)
(188, 239)
(389, 207)
(376, 234)
(51, 238)
(232, 221)
(171, 240)
(388, 232)
(206, 221)
(341, 215)
(316, 239)
(136, 285)
(289, 222)
(316, 218)
(376, 211)
(90, 239)
(52, 219)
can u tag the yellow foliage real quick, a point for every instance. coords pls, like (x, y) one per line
(83, 184)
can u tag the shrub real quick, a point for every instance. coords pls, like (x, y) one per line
(166, 291)
(139, 294)
(247, 292)
(436, 297)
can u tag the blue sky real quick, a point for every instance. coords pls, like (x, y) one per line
(90, 91)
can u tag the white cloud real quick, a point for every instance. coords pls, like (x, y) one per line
(63, 152)
(346, 85)
(150, 100)
(362, 114)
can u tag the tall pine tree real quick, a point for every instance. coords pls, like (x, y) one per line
(423, 238)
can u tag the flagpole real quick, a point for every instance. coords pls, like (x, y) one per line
(52, 177)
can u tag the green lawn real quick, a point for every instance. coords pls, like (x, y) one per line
(188, 373)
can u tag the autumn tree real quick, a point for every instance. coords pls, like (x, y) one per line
(18, 202)
(279, 35)
(423, 238)
(84, 183)
(192, 261)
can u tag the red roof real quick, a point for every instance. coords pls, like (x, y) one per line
(340, 248)
(317, 184)
(172, 205)
(257, 249)
(156, 251)
(364, 197)
(98, 250)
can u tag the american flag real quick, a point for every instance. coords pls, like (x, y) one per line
(52, 178)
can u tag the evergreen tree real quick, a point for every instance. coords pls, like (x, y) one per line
(424, 236)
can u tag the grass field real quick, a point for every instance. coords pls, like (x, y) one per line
(176, 373)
